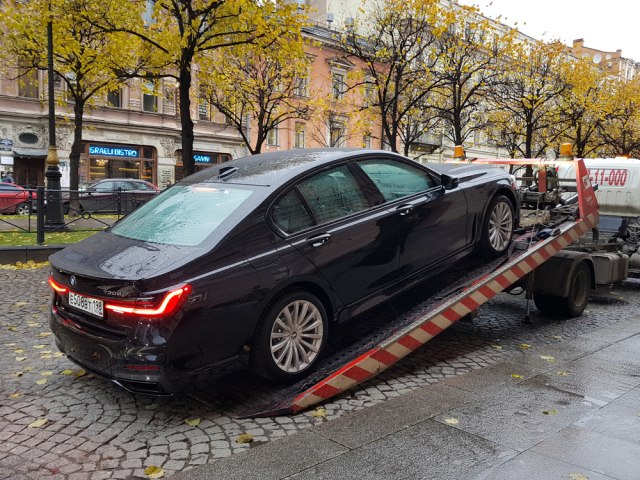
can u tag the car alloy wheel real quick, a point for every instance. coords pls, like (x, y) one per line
(296, 336)
(500, 226)
(22, 209)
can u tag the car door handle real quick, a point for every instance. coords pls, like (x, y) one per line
(319, 240)
(404, 209)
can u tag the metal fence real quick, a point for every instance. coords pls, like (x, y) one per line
(25, 210)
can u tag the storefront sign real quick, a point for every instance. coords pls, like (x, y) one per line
(202, 158)
(111, 151)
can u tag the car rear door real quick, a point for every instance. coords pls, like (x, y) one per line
(431, 220)
(352, 242)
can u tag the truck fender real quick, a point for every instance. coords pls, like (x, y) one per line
(552, 277)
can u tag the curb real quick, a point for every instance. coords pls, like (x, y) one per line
(11, 255)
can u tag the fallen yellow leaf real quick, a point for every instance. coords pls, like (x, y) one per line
(548, 358)
(42, 381)
(39, 346)
(20, 359)
(194, 422)
(516, 376)
(46, 373)
(563, 373)
(151, 406)
(44, 334)
(578, 476)
(39, 423)
(33, 324)
(497, 347)
(524, 346)
(18, 350)
(244, 438)
(319, 412)
(12, 328)
(550, 412)
(451, 421)
(20, 304)
(154, 472)
(80, 373)
(45, 357)
(58, 354)
(15, 395)
(67, 372)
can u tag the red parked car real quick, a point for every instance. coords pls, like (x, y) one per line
(15, 199)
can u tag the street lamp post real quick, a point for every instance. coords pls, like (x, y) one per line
(54, 216)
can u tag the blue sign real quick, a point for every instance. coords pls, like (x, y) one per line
(108, 151)
(201, 158)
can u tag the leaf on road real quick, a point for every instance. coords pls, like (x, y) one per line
(15, 395)
(151, 406)
(555, 337)
(46, 357)
(44, 334)
(32, 324)
(524, 346)
(244, 438)
(67, 372)
(497, 347)
(20, 359)
(20, 304)
(18, 350)
(451, 421)
(80, 373)
(194, 422)
(58, 354)
(319, 412)
(38, 347)
(39, 423)
(578, 476)
(154, 472)
(516, 376)
(46, 373)
(550, 412)
(42, 381)
(563, 373)
(12, 328)
(548, 358)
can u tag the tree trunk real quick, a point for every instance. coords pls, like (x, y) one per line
(185, 119)
(74, 156)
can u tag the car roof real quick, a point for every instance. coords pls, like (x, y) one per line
(275, 168)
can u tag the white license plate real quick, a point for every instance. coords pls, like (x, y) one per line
(90, 305)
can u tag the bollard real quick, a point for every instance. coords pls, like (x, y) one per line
(40, 216)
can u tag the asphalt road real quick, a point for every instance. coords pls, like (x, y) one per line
(495, 376)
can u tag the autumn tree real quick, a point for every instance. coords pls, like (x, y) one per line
(472, 54)
(525, 99)
(395, 43)
(85, 58)
(258, 89)
(620, 128)
(179, 32)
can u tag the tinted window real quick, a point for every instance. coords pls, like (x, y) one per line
(182, 215)
(333, 194)
(396, 179)
(290, 215)
(104, 187)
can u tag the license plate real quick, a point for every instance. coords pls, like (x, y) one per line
(89, 305)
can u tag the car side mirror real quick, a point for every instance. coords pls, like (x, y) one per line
(449, 182)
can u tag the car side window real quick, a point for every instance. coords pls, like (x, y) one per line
(105, 187)
(289, 213)
(396, 179)
(332, 194)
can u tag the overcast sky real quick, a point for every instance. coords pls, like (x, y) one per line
(605, 25)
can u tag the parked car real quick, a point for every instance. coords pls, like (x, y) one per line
(113, 195)
(15, 199)
(259, 257)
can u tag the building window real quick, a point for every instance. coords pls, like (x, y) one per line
(114, 98)
(272, 137)
(368, 95)
(149, 99)
(337, 134)
(366, 142)
(299, 140)
(301, 87)
(338, 85)
(205, 112)
(28, 84)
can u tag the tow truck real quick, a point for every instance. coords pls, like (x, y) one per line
(540, 262)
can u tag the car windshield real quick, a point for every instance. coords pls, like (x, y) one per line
(182, 215)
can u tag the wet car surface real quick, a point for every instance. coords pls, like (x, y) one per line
(254, 261)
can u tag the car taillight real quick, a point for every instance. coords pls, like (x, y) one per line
(56, 286)
(169, 304)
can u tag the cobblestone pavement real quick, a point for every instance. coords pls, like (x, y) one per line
(95, 430)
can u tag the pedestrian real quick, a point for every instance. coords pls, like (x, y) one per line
(8, 178)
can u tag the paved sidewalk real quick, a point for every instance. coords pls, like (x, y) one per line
(573, 413)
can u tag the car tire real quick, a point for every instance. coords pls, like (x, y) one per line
(23, 209)
(497, 227)
(290, 337)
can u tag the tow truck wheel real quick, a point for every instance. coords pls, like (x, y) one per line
(574, 304)
(290, 337)
(497, 229)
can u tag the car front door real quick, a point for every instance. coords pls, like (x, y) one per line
(432, 220)
(351, 241)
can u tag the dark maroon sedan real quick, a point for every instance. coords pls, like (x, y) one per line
(260, 256)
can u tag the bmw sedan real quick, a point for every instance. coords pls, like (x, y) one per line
(254, 261)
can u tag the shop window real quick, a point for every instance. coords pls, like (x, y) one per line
(149, 99)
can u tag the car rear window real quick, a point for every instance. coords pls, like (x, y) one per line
(183, 214)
